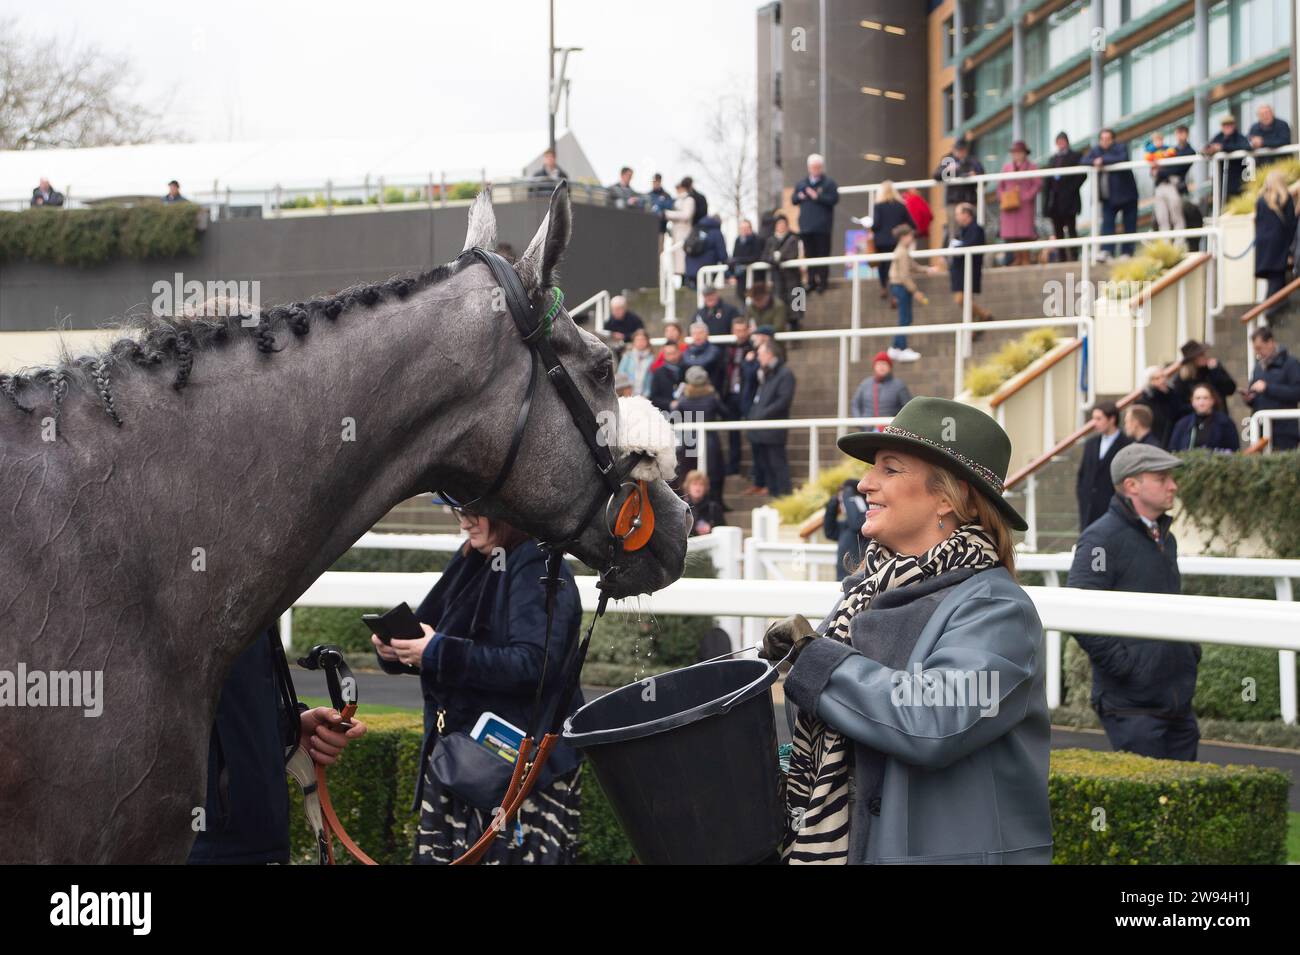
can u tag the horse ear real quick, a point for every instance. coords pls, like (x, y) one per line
(482, 222)
(537, 265)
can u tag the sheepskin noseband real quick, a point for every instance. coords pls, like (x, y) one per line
(641, 428)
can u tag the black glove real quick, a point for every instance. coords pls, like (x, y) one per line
(787, 638)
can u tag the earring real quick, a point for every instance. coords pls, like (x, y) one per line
(941, 523)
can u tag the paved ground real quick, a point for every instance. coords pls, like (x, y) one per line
(379, 688)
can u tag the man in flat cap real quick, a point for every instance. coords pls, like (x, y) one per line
(1141, 689)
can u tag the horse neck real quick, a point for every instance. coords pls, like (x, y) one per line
(265, 469)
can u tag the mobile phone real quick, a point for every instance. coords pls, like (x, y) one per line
(399, 622)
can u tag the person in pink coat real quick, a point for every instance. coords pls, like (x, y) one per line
(1016, 200)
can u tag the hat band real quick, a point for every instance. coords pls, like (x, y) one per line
(984, 472)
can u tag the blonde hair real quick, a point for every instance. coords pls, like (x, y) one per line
(887, 193)
(1275, 193)
(969, 505)
(696, 475)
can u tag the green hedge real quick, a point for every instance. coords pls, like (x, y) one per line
(1155, 811)
(1233, 496)
(1121, 809)
(83, 237)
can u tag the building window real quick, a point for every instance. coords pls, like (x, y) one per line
(1160, 69)
(1070, 111)
(948, 123)
(991, 80)
(980, 16)
(993, 148)
(1242, 30)
(1116, 13)
(949, 38)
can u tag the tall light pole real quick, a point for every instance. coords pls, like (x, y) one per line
(556, 83)
(550, 82)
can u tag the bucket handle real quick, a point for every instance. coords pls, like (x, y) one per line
(731, 701)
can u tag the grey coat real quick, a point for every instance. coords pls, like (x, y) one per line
(939, 784)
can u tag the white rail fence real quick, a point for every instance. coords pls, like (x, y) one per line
(751, 589)
(765, 558)
(1261, 424)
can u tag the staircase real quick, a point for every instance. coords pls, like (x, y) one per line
(1010, 292)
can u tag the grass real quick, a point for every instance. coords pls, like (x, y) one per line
(367, 709)
(1293, 837)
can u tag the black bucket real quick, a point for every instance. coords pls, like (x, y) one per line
(688, 762)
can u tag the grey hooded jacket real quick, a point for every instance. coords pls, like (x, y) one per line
(939, 783)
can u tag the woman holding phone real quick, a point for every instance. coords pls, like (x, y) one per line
(922, 730)
(479, 661)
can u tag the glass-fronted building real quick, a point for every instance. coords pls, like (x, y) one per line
(1004, 70)
(840, 77)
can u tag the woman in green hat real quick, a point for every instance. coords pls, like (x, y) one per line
(922, 731)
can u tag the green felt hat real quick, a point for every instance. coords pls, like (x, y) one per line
(953, 435)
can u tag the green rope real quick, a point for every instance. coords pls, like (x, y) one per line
(558, 300)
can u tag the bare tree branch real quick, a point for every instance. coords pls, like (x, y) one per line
(726, 158)
(52, 95)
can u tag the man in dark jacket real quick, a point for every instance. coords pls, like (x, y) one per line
(746, 250)
(740, 379)
(716, 314)
(1139, 424)
(1275, 385)
(707, 355)
(1141, 689)
(771, 403)
(816, 195)
(1228, 140)
(1269, 132)
(1093, 488)
(1119, 189)
(247, 806)
(622, 322)
(665, 379)
(46, 195)
(958, 164)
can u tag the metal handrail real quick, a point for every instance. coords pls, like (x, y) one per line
(1281, 295)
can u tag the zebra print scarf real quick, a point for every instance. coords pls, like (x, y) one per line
(817, 787)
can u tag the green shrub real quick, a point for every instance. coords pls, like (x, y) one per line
(810, 497)
(1011, 359)
(1121, 809)
(1155, 811)
(371, 786)
(1235, 496)
(1243, 204)
(84, 237)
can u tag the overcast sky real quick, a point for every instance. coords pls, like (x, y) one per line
(270, 70)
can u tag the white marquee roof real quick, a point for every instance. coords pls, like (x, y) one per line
(302, 163)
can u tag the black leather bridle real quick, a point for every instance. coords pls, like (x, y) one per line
(535, 331)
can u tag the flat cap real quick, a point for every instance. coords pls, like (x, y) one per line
(1139, 459)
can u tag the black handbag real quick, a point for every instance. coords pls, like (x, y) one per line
(473, 772)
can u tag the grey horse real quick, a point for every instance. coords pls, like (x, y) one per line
(165, 501)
